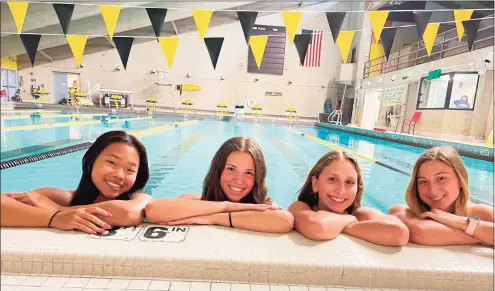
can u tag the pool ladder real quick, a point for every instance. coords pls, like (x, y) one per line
(338, 115)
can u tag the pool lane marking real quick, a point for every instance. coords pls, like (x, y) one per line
(153, 130)
(332, 145)
(62, 124)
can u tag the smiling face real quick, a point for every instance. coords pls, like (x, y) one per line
(337, 186)
(238, 176)
(114, 170)
(438, 185)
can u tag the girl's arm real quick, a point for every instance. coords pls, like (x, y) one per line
(378, 228)
(430, 232)
(318, 225)
(124, 213)
(173, 209)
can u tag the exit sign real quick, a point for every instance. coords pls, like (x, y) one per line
(432, 75)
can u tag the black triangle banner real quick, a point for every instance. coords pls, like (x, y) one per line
(247, 19)
(471, 28)
(123, 45)
(64, 14)
(335, 20)
(302, 42)
(157, 19)
(421, 18)
(214, 45)
(388, 36)
(31, 42)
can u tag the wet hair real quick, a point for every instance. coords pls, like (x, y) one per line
(87, 192)
(311, 198)
(212, 191)
(451, 158)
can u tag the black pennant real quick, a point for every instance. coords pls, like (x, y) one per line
(247, 19)
(471, 28)
(64, 14)
(157, 19)
(214, 45)
(335, 20)
(302, 42)
(123, 45)
(31, 42)
(421, 18)
(388, 36)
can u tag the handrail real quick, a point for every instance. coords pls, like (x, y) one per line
(382, 65)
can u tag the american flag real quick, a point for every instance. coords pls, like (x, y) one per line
(314, 48)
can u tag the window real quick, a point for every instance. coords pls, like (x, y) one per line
(450, 91)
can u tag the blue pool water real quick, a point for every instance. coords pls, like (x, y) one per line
(180, 158)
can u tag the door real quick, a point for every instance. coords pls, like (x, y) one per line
(60, 88)
(9, 82)
(371, 107)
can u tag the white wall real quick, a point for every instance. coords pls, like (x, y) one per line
(306, 93)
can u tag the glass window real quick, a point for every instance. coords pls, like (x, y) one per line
(463, 91)
(433, 92)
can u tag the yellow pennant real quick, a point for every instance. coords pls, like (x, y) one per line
(461, 15)
(77, 44)
(169, 47)
(19, 10)
(344, 42)
(110, 15)
(291, 20)
(429, 36)
(202, 19)
(258, 45)
(377, 20)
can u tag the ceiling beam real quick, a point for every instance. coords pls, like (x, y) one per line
(46, 55)
(175, 27)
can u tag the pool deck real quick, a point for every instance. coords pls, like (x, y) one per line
(218, 254)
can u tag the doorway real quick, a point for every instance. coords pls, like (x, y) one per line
(62, 83)
(371, 107)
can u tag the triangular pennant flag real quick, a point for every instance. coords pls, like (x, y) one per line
(302, 42)
(335, 20)
(430, 35)
(421, 18)
(77, 44)
(461, 15)
(157, 19)
(247, 20)
(214, 45)
(258, 45)
(18, 10)
(123, 45)
(110, 15)
(202, 19)
(471, 27)
(388, 36)
(291, 20)
(64, 14)
(344, 42)
(169, 46)
(30, 42)
(377, 20)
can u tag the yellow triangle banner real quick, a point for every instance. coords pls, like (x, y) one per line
(429, 36)
(77, 44)
(202, 19)
(291, 20)
(377, 20)
(344, 42)
(18, 10)
(461, 15)
(110, 15)
(258, 45)
(169, 47)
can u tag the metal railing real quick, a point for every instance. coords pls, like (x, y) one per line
(446, 45)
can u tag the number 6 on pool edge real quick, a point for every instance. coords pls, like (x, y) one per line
(156, 232)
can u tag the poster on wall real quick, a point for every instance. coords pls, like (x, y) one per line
(393, 96)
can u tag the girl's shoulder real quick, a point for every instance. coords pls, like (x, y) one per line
(484, 212)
